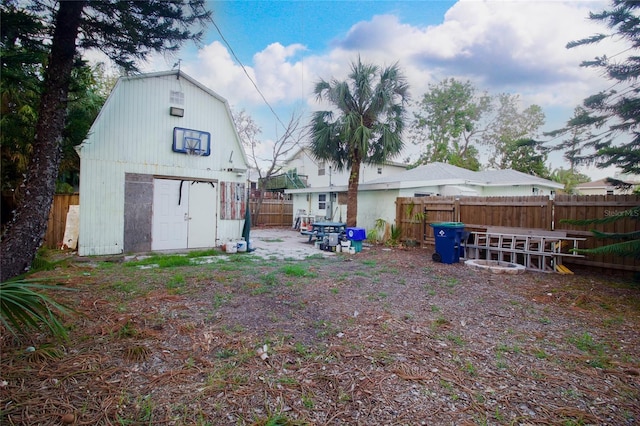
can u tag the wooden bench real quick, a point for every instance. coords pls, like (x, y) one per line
(537, 249)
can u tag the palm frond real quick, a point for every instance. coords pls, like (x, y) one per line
(25, 307)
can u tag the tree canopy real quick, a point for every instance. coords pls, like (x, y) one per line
(366, 124)
(605, 130)
(450, 114)
(454, 121)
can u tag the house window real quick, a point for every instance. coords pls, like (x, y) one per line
(321, 167)
(609, 191)
(322, 201)
(379, 170)
(535, 191)
(176, 98)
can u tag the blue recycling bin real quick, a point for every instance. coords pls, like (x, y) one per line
(449, 237)
(356, 236)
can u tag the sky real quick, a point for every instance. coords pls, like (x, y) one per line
(515, 47)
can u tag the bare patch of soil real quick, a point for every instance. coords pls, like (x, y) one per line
(383, 337)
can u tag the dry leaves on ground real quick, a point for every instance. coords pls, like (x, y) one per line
(386, 336)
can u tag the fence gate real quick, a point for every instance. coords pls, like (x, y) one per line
(414, 215)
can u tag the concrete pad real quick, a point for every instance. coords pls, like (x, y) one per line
(279, 243)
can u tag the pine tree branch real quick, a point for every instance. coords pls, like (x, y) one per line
(623, 249)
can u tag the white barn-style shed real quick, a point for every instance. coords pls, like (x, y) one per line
(162, 168)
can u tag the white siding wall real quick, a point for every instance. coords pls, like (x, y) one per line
(513, 191)
(411, 192)
(134, 134)
(305, 165)
(374, 205)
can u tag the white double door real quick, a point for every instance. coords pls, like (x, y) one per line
(184, 214)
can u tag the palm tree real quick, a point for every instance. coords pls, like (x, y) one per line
(367, 124)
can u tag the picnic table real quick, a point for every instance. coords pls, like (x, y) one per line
(319, 230)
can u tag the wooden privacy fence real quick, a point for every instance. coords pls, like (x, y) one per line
(273, 212)
(58, 219)
(415, 214)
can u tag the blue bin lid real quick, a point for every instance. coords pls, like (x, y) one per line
(448, 225)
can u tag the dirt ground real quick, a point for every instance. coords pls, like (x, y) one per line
(384, 337)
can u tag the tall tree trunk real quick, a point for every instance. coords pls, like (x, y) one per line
(352, 194)
(25, 233)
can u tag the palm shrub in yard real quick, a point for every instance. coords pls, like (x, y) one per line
(24, 307)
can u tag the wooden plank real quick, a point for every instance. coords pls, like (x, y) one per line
(525, 231)
(58, 218)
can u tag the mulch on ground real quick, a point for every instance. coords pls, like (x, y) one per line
(386, 336)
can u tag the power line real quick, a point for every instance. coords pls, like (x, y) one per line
(247, 73)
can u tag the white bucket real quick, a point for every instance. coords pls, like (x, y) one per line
(231, 247)
(338, 248)
(250, 245)
(242, 246)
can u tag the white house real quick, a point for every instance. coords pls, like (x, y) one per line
(596, 187)
(162, 169)
(603, 187)
(321, 173)
(376, 197)
(325, 184)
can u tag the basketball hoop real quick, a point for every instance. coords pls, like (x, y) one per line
(191, 142)
(192, 147)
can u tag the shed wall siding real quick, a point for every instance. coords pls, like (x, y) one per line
(135, 126)
(102, 221)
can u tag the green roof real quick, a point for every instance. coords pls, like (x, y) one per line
(288, 180)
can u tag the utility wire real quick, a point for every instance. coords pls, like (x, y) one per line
(246, 72)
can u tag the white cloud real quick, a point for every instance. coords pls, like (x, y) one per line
(278, 77)
(215, 68)
(501, 46)
(515, 46)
